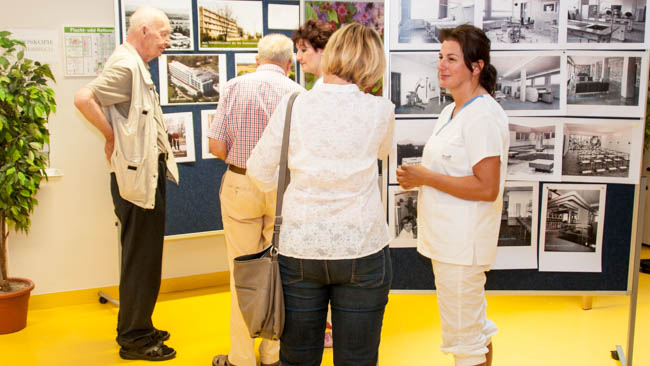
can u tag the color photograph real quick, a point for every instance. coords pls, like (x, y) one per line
(207, 118)
(180, 133)
(191, 79)
(179, 13)
(229, 24)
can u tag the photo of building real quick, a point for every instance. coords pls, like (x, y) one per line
(229, 24)
(419, 22)
(516, 216)
(603, 80)
(414, 84)
(572, 218)
(531, 155)
(191, 78)
(611, 21)
(528, 82)
(515, 22)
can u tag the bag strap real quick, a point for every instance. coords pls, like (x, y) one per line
(284, 176)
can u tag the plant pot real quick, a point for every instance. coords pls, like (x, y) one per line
(13, 307)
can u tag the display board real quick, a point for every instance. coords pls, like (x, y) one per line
(193, 206)
(576, 120)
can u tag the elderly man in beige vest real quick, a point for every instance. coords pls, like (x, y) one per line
(123, 105)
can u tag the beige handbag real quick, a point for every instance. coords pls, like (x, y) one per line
(257, 276)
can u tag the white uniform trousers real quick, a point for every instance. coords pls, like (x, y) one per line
(466, 331)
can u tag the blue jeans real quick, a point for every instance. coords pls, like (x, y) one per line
(358, 292)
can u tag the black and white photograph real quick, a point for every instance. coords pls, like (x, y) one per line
(517, 246)
(416, 24)
(402, 217)
(609, 23)
(410, 138)
(191, 79)
(513, 24)
(180, 133)
(232, 25)
(607, 83)
(597, 150)
(414, 85)
(179, 13)
(571, 232)
(207, 118)
(282, 16)
(530, 83)
(532, 154)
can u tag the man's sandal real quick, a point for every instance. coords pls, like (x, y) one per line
(155, 352)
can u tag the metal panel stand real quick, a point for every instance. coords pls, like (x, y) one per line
(103, 297)
(619, 354)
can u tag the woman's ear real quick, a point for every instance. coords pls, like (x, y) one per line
(477, 67)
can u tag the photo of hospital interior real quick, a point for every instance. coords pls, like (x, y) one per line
(572, 220)
(414, 84)
(606, 21)
(422, 20)
(538, 77)
(531, 150)
(513, 21)
(516, 217)
(603, 80)
(602, 150)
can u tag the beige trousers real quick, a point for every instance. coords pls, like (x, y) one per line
(247, 214)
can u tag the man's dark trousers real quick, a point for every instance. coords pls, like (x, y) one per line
(142, 234)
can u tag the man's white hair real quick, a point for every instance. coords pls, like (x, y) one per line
(275, 47)
(145, 16)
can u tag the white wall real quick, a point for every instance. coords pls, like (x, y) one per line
(72, 244)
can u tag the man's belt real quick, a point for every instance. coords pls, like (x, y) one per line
(236, 169)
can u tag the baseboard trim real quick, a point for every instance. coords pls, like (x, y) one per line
(87, 296)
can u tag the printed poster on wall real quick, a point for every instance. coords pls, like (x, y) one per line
(87, 49)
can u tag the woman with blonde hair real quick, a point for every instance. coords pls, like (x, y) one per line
(334, 237)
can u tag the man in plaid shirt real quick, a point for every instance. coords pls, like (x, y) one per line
(245, 107)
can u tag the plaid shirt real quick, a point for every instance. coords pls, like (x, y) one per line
(245, 107)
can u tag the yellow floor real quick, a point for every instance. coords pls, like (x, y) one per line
(533, 330)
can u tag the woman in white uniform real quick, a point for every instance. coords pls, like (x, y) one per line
(461, 182)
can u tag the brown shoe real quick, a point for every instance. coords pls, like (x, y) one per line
(221, 360)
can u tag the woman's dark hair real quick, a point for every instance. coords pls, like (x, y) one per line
(476, 46)
(314, 31)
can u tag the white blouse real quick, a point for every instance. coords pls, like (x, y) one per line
(451, 229)
(332, 207)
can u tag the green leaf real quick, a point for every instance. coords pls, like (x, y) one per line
(333, 16)
(21, 54)
(310, 13)
(25, 193)
(11, 170)
(40, 112)
(4, 62)
(36, 145)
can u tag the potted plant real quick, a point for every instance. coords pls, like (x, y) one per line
(26, 102)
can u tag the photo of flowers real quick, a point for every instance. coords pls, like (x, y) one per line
(339, 13)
